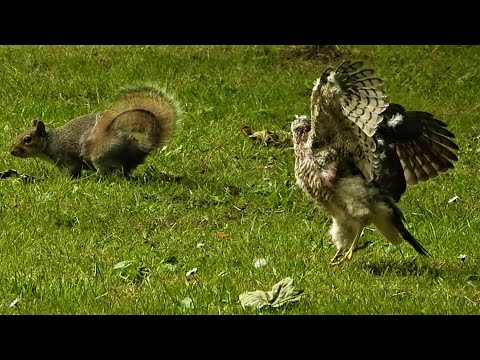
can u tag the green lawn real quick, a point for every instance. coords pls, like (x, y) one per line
(107, 245)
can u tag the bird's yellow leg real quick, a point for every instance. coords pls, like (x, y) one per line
(333, 262)
(337, 255)
(348, 255)
(353, 247)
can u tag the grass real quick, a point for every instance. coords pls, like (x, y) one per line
(108, 245)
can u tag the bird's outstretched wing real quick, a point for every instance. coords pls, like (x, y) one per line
(423, 144)
(350, 95)
(362, 100)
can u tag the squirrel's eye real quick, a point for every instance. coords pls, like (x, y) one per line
(27, 139)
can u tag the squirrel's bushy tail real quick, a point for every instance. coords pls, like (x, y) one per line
(138, 121)
(147, 113)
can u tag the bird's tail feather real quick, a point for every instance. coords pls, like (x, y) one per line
(412, 241)
(398, 220)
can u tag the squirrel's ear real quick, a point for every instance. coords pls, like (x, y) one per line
(40, 127)
(34, 123)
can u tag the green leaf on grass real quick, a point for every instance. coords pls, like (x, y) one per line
(281, 293)
(123, 264)
(187, 303)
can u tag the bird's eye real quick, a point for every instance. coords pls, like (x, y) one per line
(27, 139)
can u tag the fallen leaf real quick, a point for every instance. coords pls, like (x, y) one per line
(8, 173)
(232, 190)
(186, 303)
(281, 293)
(453, 199)
(245, 130)
(222, 234)
(191, 272)
(123, 264)
(260, 262)
(268, 137)
(14, 173)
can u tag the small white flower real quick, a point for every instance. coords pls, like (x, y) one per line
(200, 245)
(14, 303)
(462, 257)
(191, 272)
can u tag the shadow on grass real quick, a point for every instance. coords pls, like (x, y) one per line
(405, 267)
(158, 176)
(149, 175)
(422, 267)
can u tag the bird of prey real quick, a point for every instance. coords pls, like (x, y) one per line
(357, 154)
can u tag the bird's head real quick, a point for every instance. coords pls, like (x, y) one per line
(300, 129)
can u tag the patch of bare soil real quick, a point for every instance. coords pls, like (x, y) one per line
(314, 52)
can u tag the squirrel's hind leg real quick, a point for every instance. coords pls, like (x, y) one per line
(106, 168)
(74, 169)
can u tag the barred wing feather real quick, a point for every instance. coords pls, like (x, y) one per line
(423, 145)
(362, 101)
(360, 104)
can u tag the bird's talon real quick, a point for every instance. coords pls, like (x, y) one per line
(335, 257)
(349, 254)
(336, 262)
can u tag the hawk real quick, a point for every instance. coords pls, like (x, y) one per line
(358, 152)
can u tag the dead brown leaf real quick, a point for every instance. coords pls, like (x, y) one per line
(267, 137)
(222, 234)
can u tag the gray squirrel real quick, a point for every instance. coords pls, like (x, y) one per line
(140, 120)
